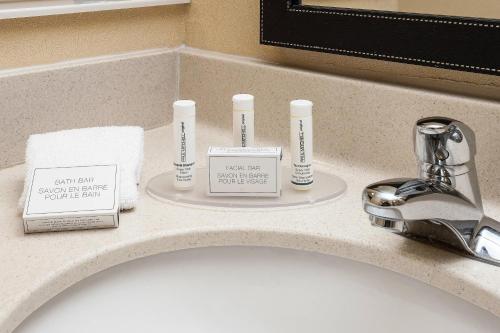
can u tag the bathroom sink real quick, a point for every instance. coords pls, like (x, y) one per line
(250, 289)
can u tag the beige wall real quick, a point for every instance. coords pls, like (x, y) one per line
(233, 27)
(218, 25)
(41, 40)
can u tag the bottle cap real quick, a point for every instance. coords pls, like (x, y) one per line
(184, 108)
(301, 108)
(243, 102)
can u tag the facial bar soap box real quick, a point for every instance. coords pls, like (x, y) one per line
(244, 171)
(72, 198)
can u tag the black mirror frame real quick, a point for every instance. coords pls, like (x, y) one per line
(458, 43)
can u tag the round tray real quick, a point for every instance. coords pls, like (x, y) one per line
(326, 187)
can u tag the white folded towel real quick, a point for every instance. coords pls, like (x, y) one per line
(90, 146)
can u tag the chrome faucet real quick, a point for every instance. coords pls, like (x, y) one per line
(443, 205)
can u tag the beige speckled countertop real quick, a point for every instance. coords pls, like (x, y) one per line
(34, 268)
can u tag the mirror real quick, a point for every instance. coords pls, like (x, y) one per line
(461, 35)
(464, 8)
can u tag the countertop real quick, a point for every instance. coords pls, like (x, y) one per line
(36, 267)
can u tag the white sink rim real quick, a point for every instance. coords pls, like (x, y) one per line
(414, 260)
(400, 287)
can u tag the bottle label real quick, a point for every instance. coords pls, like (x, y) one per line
(301, 145)
(184, 162)
(184, 172)
(243, 128)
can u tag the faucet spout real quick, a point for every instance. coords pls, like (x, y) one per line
(423, 209)
(443, 205)
(418, 199)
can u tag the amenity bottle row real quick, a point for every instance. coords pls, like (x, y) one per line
(301, 139)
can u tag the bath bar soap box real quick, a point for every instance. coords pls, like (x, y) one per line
(72, 198)
(244, 171)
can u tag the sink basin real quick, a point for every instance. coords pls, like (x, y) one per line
(250, 289)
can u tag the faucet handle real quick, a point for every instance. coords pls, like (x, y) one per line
(444, 141)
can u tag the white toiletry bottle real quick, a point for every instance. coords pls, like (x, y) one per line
(301, 144)
(184, 128)
(243, 118)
